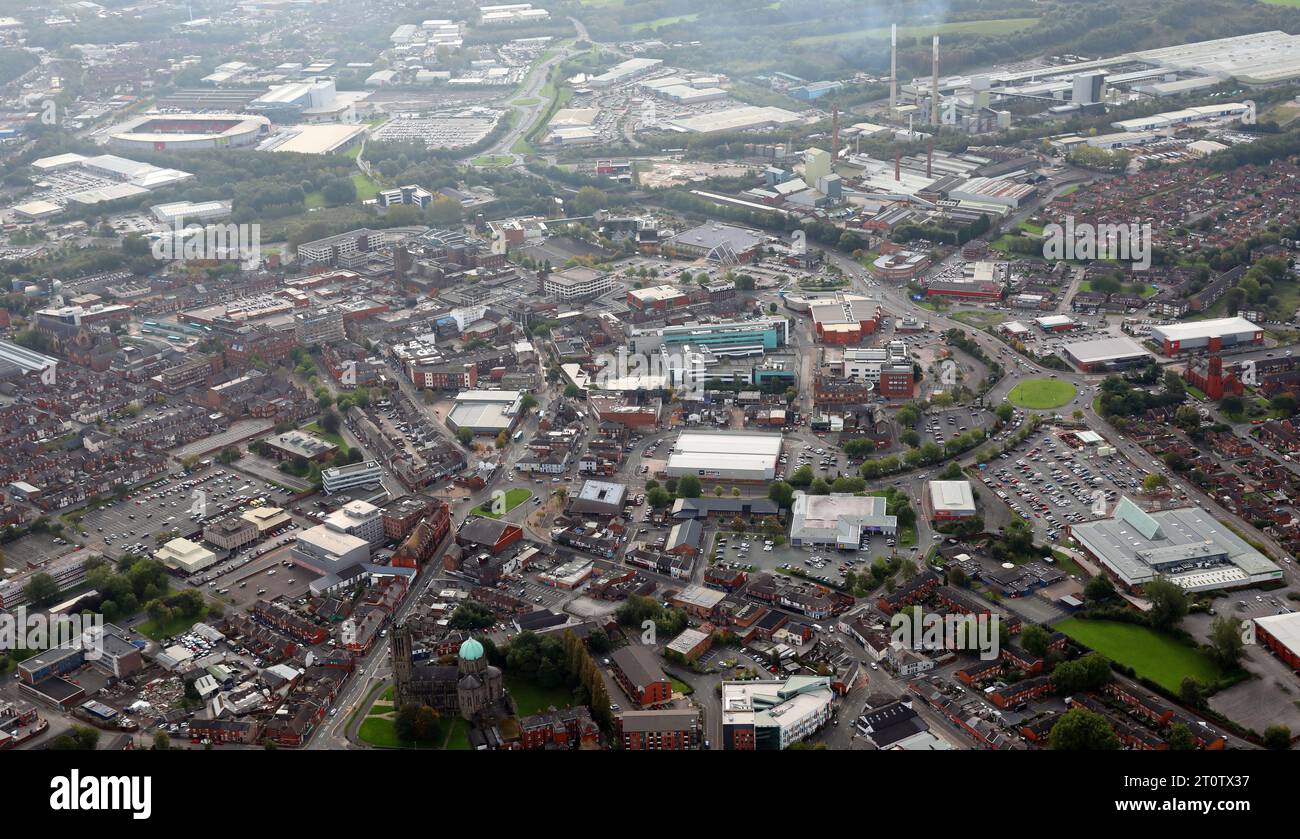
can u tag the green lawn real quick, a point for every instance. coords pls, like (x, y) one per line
(379, 729)
(665, 21)
(978, 319)
(366, 188)
(533, 699)
(336, 439)
(997, 26)
(1041, 394)
(681, 687)
(457, 736)
(176, 625)
(514, 497)
(1146, 291)
(492, 160)
(1157, 657)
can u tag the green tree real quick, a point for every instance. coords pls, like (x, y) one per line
(1180, 738)
(1277, 737)
(1226, 646)
(781, 492)
(688, 486)
(1090, 672)
(41, 590)
(1080, 730)
(1035, 639)
(1168, 603)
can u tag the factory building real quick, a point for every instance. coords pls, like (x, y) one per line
(725, 455)
(846, 320)
(838, 519)
(1105, 354)
(1206, 335)
(951, 500)
(1186, 546)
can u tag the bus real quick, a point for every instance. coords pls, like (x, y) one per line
(519, 435)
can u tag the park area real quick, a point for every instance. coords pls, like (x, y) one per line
(379, 728)
(1160, 658)
(511, 499)
(1041, 394)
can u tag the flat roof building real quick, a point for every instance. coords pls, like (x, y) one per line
(725, 455)
(1207, 335)
(838, 519)
(952, 499)
(485, 411)
(772, 714)
(1105, 354)
(186, 556)
(1187, 546)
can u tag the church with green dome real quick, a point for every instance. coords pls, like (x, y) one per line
(466, 689)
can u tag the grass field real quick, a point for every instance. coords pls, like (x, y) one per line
(1040, 394)
(664, 21)
(379, 729)
(336, 439)
(978, 319)
(997, 26)
(366, 188)
(532, 699)
(514, 497)
(1157, 657)
(175, 626)
(491, 160)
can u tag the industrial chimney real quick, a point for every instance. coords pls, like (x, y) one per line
(835, 133)
(893, 68)
(934, 85)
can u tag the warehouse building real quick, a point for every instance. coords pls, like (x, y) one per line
(1056, 323)
(185, 556)
(838, 519)
(951, 500)
(1206, 335)
(1105, 354)
(717, 242)
(725, 455)
(847, 319)
(1187, 546)
(1281, 634)
(485, 411)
